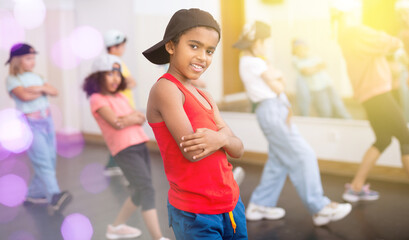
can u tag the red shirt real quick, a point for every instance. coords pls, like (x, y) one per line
(206, 186)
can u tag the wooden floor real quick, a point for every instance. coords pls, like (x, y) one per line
(387, 218)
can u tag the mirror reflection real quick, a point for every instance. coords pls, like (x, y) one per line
(304, 47)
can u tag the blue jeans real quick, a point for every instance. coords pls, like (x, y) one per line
(187, 225)
(326, 102)
(288, 154)
(42, 154)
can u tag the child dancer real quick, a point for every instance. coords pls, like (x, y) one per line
(121, 127)
(115, 43)
(203, 199)
(30, 91)
(312, 73)
(288, 153)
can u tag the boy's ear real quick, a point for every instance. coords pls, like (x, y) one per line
(170, 47)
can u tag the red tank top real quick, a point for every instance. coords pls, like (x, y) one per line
(206, 186)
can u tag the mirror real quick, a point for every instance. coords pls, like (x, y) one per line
(299, 27)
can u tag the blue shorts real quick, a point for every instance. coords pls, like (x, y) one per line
(187, 225)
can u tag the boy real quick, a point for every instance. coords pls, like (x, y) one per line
(203, 200)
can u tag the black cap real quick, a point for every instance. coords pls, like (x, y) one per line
(20, 49)
(252, 32)
(182, 20)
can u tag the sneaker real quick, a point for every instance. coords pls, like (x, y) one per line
(238, 174)
(34, 201)
(122, 231)
(256, 212)
(60, 200)
(332, 212)
(112, 171)
(365, 194)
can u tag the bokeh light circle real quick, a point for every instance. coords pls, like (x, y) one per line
(16, 167)
(70, 143)
(92, 178)
(10, 31)
(16, 135)
(76, 226)
(13, 190)
(29, 13)
(62, 55)
(86, 42)
(4, 153)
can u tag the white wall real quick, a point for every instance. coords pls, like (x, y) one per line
(331, 139)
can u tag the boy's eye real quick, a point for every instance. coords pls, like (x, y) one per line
(210, 52)
(193, 46)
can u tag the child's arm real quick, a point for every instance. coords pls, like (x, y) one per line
(273, 78)
(33, 92)
(135, 118)
(209, 141)
(308, 71)
(166, 104)
(26, 94)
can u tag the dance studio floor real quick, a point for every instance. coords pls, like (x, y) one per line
(97, 200)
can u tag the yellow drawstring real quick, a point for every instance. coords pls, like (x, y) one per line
(233, 223)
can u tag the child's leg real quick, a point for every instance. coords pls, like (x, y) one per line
(42, 159)
(239, 220)
(271, 182)
(127, 209)
(322, 103)
(339, 108)
(135, 164)
(303, 97)
(150, 217)
(293, 153)
(187, 225)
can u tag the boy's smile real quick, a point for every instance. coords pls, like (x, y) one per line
(193, 54)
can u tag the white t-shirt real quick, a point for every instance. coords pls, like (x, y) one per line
(250, 69)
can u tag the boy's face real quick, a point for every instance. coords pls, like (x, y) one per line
(112, 80)
(28, 62)
(118, 50)
(190, 58)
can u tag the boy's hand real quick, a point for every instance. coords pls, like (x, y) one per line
(206, 140)
(35, 89)
(136, 118)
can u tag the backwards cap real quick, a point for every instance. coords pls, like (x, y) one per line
(251, 32)
(104, 63)
(20, 49)
(181, 21)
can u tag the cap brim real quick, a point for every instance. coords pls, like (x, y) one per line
(157, 54)
(9, 60)
(242, 44)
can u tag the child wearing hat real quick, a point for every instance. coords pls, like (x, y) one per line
(121, 127)
(288, 153)
(313, 75)
(30, 91)
(203, 199)
(115, 43)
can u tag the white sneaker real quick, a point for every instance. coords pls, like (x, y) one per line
(122, 231)
(256, 212)
(238, 175)
(332, 212)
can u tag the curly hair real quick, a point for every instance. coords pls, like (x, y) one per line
(94, 82)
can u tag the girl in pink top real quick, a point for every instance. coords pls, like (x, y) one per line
(121, 127)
